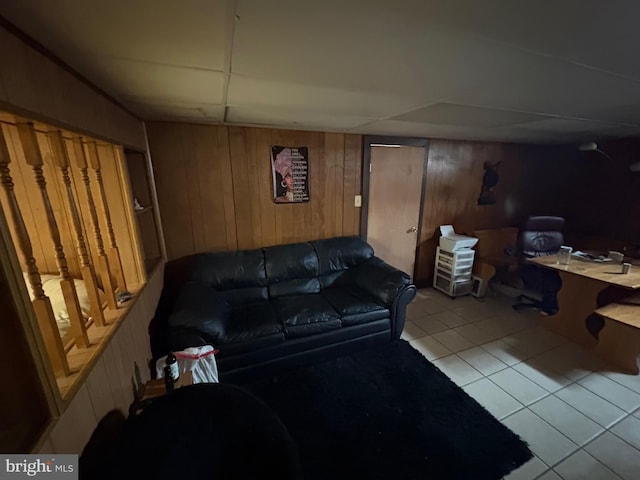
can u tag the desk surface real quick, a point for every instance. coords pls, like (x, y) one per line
(604, 272)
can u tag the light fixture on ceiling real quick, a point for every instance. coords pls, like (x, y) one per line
(593, 147)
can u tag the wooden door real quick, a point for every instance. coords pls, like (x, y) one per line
(395, 188)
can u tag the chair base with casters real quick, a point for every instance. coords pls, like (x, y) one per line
(546, 290)
(523, 305)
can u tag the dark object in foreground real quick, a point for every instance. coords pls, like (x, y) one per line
(388, 413)
(201, 431)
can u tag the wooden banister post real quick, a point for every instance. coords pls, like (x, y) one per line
(114, 253)
(103, 261)
(33, 155)
(61, 156)
(41, 303)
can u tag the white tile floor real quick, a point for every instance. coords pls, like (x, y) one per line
(580, 417)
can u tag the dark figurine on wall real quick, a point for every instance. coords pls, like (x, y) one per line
(489, 181)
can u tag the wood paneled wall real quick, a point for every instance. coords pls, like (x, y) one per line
(215, 188)
(453, 183)
(599, 196)
(112, 379)
(34, 85)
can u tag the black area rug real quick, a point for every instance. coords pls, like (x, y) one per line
(388, 413)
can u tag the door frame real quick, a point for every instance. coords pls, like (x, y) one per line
(371, 140)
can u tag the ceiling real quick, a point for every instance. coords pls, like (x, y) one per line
(545, 71)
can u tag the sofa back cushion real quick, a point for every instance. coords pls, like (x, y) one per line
(241, 275)
(291, 269)
(337, 258)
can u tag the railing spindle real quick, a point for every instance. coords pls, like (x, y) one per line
(61, 158)
(33, 155)
(103, 261)
(41, 303)
(114, 253)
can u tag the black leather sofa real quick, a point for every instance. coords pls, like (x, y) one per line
(281, 304)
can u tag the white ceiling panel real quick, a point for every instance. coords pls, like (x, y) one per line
(568, 125)
(293, 118)
(154, 81)
(556, 88)
(618, 132)
(545, 71)
(566, 29)
(452, 114)
(247, 91)
(189, 32)
(626, 112)
(412, 129)
(621, 59)
(197, 112)
(363, 46)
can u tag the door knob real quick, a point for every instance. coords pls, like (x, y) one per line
(412, 229)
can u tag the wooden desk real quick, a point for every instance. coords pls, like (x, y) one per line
(582, 284)
(610, 273)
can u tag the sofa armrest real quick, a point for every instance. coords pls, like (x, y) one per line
(381, 280)
(389, 285)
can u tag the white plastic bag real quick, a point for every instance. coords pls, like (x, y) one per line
(200, 361)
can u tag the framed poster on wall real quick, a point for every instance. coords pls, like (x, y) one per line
(290, 169)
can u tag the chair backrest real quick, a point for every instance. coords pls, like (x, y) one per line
(541, 236)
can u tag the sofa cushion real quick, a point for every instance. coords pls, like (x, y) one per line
(230, 270)
(250, 327)
(354, 305)
(250, 321)
(341, 253)
(298, 286)
(338, 257)
(291, 269)
(303, 315)
(341, 278)
(202, 309)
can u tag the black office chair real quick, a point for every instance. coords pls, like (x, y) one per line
(540, 236)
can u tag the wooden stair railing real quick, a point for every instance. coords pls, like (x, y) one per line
(103, 261)
(114, 252)
(61, 159)
(33, 156)
(41, 303)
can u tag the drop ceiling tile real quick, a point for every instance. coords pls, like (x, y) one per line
(368, 46)
(293, 118)
(617, 50)
(253, 92)
(619, 132)
(193, 112)
(552, 87)
(568, 125)
(153, 30)
(517, 134)
(412, 129)
(451, 114)
(154, 81)
(424, 130)
(627, 113)
(561, 29)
